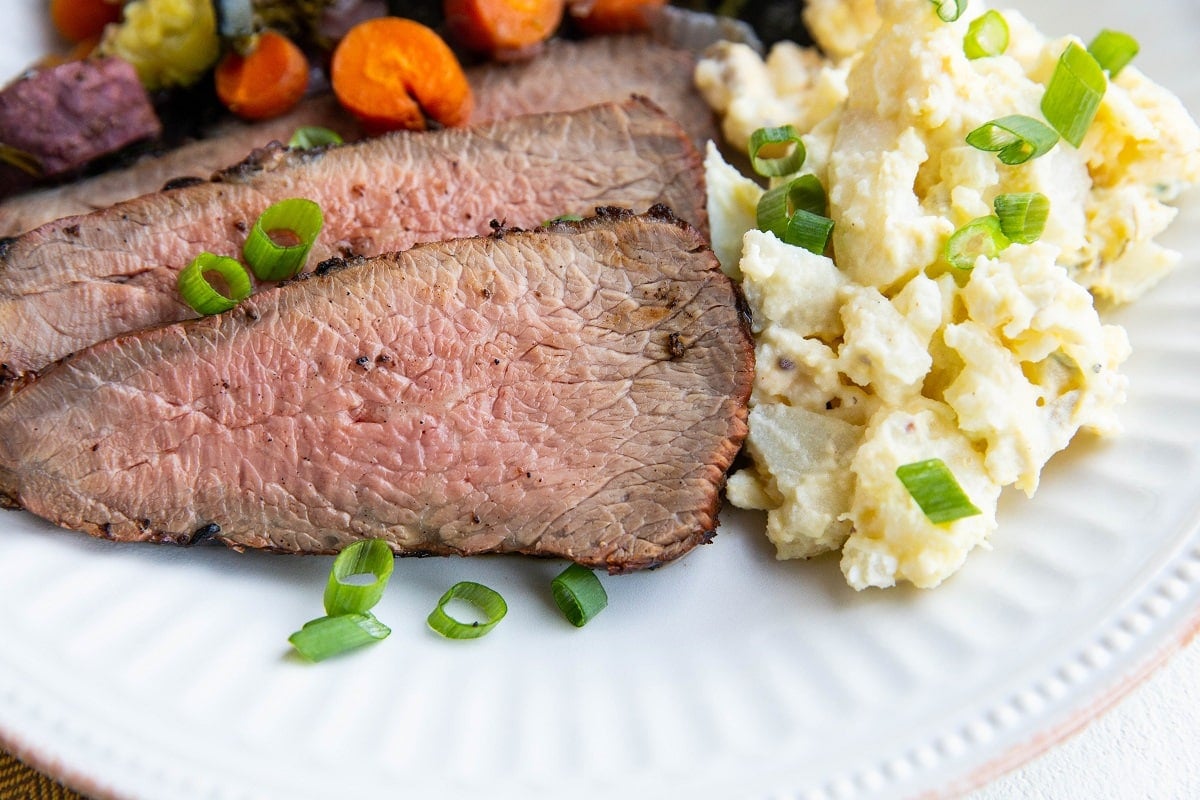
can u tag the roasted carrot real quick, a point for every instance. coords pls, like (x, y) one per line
(267, 81)
(392, 73)
(611, 16)
(499, 27)
(76, 20)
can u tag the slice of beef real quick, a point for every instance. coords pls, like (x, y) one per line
(228, 144)
(570, 73)
(577, 391)
(80, 280)
(567, 76)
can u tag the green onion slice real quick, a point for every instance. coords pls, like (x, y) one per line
(370, 557)
(562, 218)
(331, 636)
(987, 35)
(578, 594)
(806, 193)
(310, 136)
(783, 138)
(795, 212)
(808, 230)
(772, 212)
(1022, 216)
(949, 10)
(979, 237)
(201, 295)
(487, 601)
(1014, 138)
(932, 485)
(1074, 93)
(278, 244)
(1113, 50)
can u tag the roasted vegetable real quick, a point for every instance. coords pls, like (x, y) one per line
(169, 42)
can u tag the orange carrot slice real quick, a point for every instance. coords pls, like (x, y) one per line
(499, 26)
(77, 20)
(267, 82)
(392, 73)
(612, 16)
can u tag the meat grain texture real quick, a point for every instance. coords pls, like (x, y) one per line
(566, 76)
(576, 392)
(80, 280)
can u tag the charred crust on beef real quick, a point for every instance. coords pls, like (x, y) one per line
(182, 182)
(675, 346)
(268, 157)
(71, 230)
(204, 533)
(330, 265)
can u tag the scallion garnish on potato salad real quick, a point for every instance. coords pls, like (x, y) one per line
(988, 187)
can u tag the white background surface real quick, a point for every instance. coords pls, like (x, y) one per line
(1143, 748)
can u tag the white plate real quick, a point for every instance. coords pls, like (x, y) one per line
(151, 672)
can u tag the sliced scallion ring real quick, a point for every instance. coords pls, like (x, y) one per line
(1015, 138)
(805, 193)
(1074, 93)
(278, 244)
(489, 603)
(330, 636)
(201, 295)
(370, 557)
(979, 237)
(783, 138)
(1022, 215)
(987, 35)
(934, 488)
(772, 212)
(808, 230)
(802, 197)
(949, 10)
(578, 594)
(1113, 50)
(310, 136)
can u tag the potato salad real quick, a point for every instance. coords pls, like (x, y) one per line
(951, 319)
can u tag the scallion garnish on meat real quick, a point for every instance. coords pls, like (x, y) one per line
(934, 488)
(579, 594)
(310, 136)
(201, 295)
(488, 602)
(278, 244)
